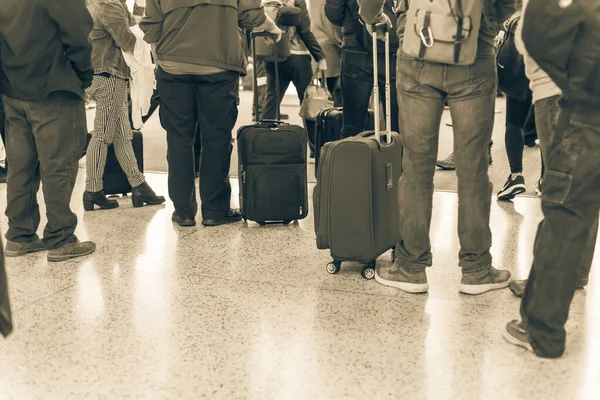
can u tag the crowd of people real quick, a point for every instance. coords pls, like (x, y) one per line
(53, 54)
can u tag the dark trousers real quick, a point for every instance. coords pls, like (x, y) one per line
(208, 103)
(570, 202)
(6, 325)
(517, 112)
(297, 69)
(3, 128)
(45, 140)
(357, 87)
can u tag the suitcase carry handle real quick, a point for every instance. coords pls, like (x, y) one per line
(388, 107)
(253, 36)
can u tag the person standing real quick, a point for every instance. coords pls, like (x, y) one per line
(46, 62)
(198, 85)
(110, 37)
(329, 37)
(571, 151)
(357, 66)
(297, 68)
(424, 87)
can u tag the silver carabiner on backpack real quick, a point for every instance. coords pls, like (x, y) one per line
(427, 40)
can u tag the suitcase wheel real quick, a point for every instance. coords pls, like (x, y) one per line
(287, 221)
(261, 223)
(368, 272)
(333, 267)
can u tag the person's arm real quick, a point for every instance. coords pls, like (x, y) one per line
(335, 11)
(251, 14)
(75, 24)
(151, 24)
(504, 10)
(309, 39)
(371, 11)
(116, 23)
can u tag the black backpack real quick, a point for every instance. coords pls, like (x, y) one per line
(563, 37)
(512, 79)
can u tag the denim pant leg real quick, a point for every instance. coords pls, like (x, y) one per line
(422, 105)
(570, 202)
(357, 86)
(546, 114)
(471, 98)
(60, 129)
(394, 117)
(22, 208)
(178, 115)
(217, 115)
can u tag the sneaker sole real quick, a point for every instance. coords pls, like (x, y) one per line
(514, 191)
(21, 253)
(70, 256)
(445, 168)
(481, 289)
(512, 340)
(412, 288)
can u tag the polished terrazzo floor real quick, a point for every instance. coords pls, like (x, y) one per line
(249, 312)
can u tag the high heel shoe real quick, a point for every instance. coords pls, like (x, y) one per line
(143, 194)
(90, 199)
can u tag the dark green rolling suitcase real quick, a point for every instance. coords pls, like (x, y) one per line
(356, 197)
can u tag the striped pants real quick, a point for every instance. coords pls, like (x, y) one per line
(111, 126)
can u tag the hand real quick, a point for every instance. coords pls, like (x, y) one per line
(322, 65)
(383, 20)
(270, 26)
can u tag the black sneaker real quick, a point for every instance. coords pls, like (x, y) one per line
(517, 335)
(538, 187)
(232, 216)
(71, 250)
(512, 188)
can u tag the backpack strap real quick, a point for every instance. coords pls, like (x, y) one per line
(459, 31)
(425, 33)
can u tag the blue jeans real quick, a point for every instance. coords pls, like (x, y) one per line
(44, 141)
(423, 90)
(563, 245)
(357, 87)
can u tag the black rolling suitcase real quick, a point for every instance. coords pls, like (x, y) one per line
(114, 179)
(329, 127)
(356, 197)
(272, 166)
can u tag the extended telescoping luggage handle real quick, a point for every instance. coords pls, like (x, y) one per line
(388, 106)
(253, 37)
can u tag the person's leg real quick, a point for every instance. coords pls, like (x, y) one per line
(357, 85)
(570, 203)
(178, 115)
(123, 145)
(393, 90)
(60, 129)
(301, 74)
(422, 100)
(271, 105)
(3, 135)
(108, 92)
(471, 101)
(516, 116)
(530, 129)
(197, 150)
(333, 85)
(217, 114)
(154, 102)
(22, 208)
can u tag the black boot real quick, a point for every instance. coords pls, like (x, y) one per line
(90, 199)
(143, 194)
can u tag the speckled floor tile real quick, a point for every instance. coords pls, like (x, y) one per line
(248, 312)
